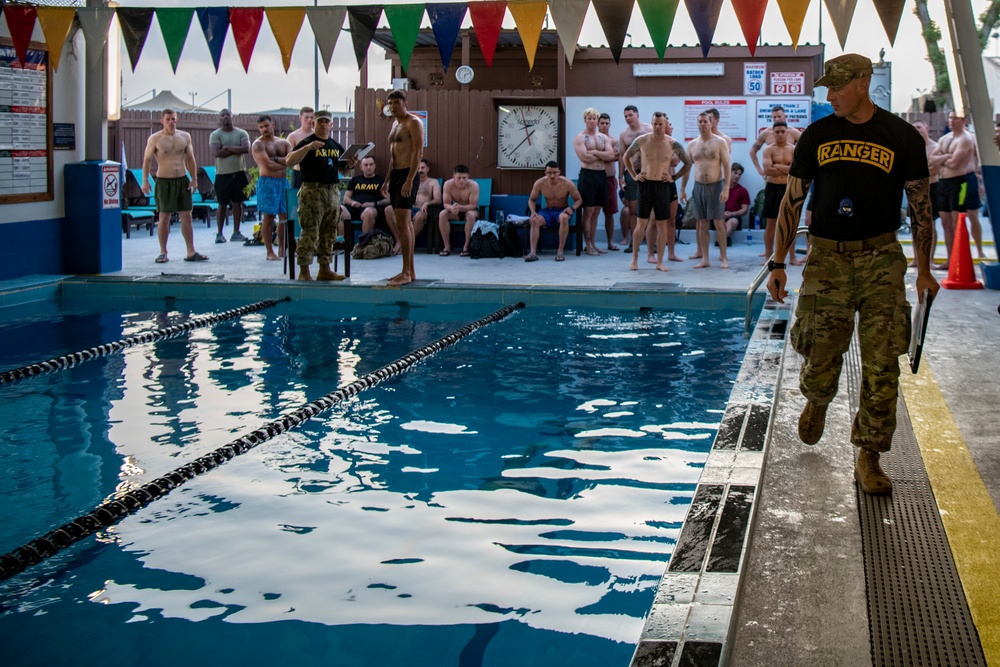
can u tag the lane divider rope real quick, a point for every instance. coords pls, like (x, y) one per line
(113, 511)
(70, 360)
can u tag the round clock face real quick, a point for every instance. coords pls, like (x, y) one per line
(464, 74)
(527, 136)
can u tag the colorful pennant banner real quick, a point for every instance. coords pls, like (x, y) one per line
(487, 19)
(793, 13)
(528, 17)
(614, 16)
(659, 17)
(326, 22)
(214, 24)
(705, 18)
(446, 21)
(175, 23)
(21, 23)
(246, 22)
(404, 22)
(750, 14)
(364, 23)
(286, 23)
(135, 23)
(56, 23)
(568, 15)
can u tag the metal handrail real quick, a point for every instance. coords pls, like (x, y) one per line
(755, 285)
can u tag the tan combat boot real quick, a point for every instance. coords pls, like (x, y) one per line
(326, 274)
(870, 475)
(304, 274)
(811, 423)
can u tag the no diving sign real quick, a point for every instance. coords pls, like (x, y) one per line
(111, 191)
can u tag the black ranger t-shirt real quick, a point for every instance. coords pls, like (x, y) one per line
(866, 164)
(365, 189)
(320, 165)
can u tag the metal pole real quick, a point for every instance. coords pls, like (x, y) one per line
(316, 68)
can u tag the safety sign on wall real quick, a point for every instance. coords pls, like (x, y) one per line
(788, 83)
(754, 78)
(111, 191)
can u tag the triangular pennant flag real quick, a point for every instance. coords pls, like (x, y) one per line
(135, 22)
(750, 14)
(528, 17)
(841, 13)
(487, 19)
(214, 24)
(246, 22)
(446, 20)
(286, 22)
(326, 23)
(793, 13)
(890, 11)
(56, 23)
(363, 22)
(175, 22)
(95, 21)
(20, 23)
(705, 17)
(404, 22)
(568, 16)
(614, 16)
(659, 17)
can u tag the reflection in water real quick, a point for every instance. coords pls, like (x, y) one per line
(537, 474)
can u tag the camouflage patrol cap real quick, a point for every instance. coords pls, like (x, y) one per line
(323, 113)
(844, 69)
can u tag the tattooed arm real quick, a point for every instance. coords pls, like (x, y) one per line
(684, 158)
(784, 239)
(922, 225)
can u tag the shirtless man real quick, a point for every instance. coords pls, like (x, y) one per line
(630, 187)
(957, 158)
(307, 124)
(610, 170)
(269, 153)
(656, 184)
(557, 190)
(428, 194)
(710, 156)
(777, 162)
(176, 179)
(766, 135)
(460, 198)
(930, 147)
(406, 145)
(594, 149)
(713, 114)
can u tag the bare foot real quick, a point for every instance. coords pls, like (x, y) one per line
(674, 258)
(763, 254)
(614, 248)
(913, 263)
(602, 252)
(660, 267)
(400, 279)
(702, 265)
(634, 266)
(396, 249)
(271, 257)
(593, 252)
(651, 259)
(697, 255)
(796, 262)
(724, 264)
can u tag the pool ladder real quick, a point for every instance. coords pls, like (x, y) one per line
(758, 281)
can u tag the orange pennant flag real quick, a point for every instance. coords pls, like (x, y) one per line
(286, 22)
(56, 23)
(793, 13)
(750, 14)
(528, 16)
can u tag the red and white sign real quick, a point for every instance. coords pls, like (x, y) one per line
(788, 83)
(111, 191)
(732, 117)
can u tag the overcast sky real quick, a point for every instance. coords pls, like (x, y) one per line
(267, 85)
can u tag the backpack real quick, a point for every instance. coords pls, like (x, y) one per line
(510, 240)
(484, 245)
(373, 245)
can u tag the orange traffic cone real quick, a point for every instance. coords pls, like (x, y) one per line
(961, 275)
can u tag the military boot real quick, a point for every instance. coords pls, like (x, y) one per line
(870, 475)
(811, 423)
(325, 274)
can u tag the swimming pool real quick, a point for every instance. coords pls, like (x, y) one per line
(512, 500)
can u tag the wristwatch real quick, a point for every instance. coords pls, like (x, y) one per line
(772, 265)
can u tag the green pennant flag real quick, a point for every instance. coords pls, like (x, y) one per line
(404, 22)
(659, 18)
(174, 25)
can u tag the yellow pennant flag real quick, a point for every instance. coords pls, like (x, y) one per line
(793, 13)
(286, 22)
(528, 16)
(56, 22)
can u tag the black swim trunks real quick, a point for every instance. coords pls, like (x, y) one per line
(773, 194)
(593, 187)
(654, 197)
(397, 178)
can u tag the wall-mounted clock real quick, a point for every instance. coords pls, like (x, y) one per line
(527, 135)
(464, 74)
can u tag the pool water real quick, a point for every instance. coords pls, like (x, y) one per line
(513, 500)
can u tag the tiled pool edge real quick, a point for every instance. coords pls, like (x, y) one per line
(690, 622)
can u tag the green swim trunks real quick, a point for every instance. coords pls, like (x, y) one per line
(173, 195)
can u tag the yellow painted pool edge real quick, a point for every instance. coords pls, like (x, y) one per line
(967, 511)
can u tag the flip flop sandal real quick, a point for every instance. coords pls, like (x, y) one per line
(197, 257)
(161, 259)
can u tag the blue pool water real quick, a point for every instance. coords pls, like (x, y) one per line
(511, 501)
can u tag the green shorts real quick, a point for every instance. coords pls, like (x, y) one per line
(173, 195)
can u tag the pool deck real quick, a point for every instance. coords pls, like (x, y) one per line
(803, 594)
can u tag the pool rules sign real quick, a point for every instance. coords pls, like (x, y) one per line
(111, 191)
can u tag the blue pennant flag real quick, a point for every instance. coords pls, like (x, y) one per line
(446, 20)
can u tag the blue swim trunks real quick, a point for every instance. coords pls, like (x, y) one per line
(271, 195)
(551, 215)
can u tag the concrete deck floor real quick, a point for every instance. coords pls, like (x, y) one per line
(808, 520)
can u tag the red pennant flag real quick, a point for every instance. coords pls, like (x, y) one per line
(246, 22)
(21, 23)
(750, 14)
(487, 18)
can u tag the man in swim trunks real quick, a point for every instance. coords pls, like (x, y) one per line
(406, 146)
(958, 160)
(708, 199)
(604, 125)
(557, 190)
(460, 199)
(777, 161)
(229, 145)
(428, 194)
(714, 116)
(594, 149)
(307, 122)
(656, 184)
(176, 179)
(766, 135)
(629, 187)
(269, 153)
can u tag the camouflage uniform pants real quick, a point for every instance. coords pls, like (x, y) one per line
(319, 218)
(835, 286)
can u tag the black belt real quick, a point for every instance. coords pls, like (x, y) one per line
(853, 246)
(328, 186)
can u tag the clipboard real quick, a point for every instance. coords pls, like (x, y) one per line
(358, 151)
(920, 317)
